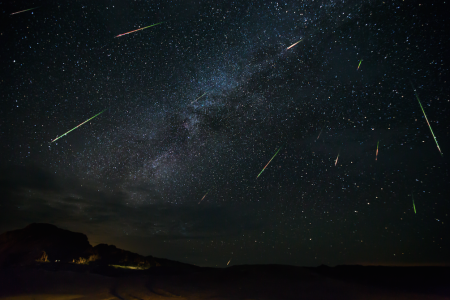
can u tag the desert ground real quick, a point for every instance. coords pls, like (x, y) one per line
(237, 282)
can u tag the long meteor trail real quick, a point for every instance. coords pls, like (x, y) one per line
(269, 162)
(429, 126)
(137, 30)
(293, 44)
(414, 206)
(76, 127)
(18, 12)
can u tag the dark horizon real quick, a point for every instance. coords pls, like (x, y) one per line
(194, 108)
(365, 264)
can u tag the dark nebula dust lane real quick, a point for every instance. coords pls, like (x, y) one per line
(300, 132)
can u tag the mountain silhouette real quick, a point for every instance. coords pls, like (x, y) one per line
(40, 243)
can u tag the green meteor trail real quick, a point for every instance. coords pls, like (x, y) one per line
(76, 127)
(269, 162)
(199, 98)
(359, 65)
(414, 206)
(429, 126)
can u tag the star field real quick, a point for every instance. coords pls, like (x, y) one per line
(195, 108)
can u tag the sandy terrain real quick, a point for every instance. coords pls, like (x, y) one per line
(243, 282)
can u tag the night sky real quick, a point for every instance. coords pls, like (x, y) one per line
(195, 108)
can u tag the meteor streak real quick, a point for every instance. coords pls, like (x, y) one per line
(293, 44)
(319, 134)
(376, 155)
(18, 12)
(359, 65)
(414, 206)
(137, 30)
(429, 126)
(198, 98)
(269, 162)
(57, 138)
(228, 262)
(335, 163)
(204, 196)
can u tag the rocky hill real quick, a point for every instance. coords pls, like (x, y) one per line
(40, 243)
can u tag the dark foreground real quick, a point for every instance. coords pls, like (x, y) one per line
(58, 282)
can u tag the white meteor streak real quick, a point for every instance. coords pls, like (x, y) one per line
(293, 45)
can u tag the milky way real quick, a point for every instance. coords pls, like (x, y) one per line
(198, 105)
